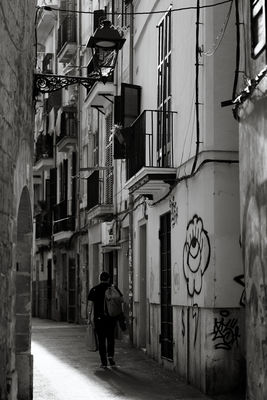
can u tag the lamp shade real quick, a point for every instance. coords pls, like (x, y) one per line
(106, 37)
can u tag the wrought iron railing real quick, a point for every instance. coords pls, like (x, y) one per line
(99, 189)
(149, 141)
(67, 32)
(62, 221)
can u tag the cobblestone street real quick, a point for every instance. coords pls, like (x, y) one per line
(65, 370)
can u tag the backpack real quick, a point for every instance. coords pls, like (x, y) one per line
(113, 301)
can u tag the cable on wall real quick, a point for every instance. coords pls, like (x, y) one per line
(186, 177)
(197, 88)
(237, 56)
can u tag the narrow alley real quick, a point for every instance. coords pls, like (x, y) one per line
(65, 369)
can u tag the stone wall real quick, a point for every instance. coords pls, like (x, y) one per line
(253, 179)
(16, 144)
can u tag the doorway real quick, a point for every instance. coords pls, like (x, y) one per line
(166, 336)
(72, 291)
(142, 288)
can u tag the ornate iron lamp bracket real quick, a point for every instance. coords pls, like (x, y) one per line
(47, 83)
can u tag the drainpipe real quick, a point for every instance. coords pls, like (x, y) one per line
(131, 198)
(78, 294)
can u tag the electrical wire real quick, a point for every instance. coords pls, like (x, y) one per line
(186, 177)
(48, 8)
(237, 57)
(197, 88)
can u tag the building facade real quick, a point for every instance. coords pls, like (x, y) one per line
(16, 194)
(250, 111)
(183, 177)
(139, 177)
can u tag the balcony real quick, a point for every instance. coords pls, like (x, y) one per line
(100, 196)
(67, 39)
(43, 229)
(149, 153)
(43, 153)
(68, 131)
(64, 224)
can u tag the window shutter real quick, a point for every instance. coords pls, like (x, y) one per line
(47, 192)
(53, 187)
(108, 163)
(65, 179)
(93, 190)
(74, 180)
(126, 110)
(130, 103)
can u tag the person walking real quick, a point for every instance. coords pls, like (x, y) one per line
(104, 323)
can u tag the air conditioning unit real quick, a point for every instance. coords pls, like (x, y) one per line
(108, 233)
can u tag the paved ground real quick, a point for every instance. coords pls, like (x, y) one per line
(65, 370)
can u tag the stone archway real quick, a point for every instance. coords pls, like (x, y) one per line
(23, 297)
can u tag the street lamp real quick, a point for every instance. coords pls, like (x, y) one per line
(105, 45)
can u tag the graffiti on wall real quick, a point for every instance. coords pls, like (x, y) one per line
(195, 316)
(174, 211)
(183, 324)
(225, 331)
(240, 280)
(254, 252)
(196, 255)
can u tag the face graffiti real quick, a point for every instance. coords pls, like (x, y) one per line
(196, 255)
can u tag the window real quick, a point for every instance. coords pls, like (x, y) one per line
(164, 91)
(258, 27)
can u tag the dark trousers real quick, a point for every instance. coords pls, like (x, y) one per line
(105, 330)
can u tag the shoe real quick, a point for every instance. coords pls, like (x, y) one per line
(111, 361)
(104, 366)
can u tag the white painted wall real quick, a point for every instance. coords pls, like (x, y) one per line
(212, 195)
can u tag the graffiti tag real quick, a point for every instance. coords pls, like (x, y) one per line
(174, 211)
(225, 332)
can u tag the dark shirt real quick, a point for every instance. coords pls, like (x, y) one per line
(97, 296)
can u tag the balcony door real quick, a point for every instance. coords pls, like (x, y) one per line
(164, 134)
